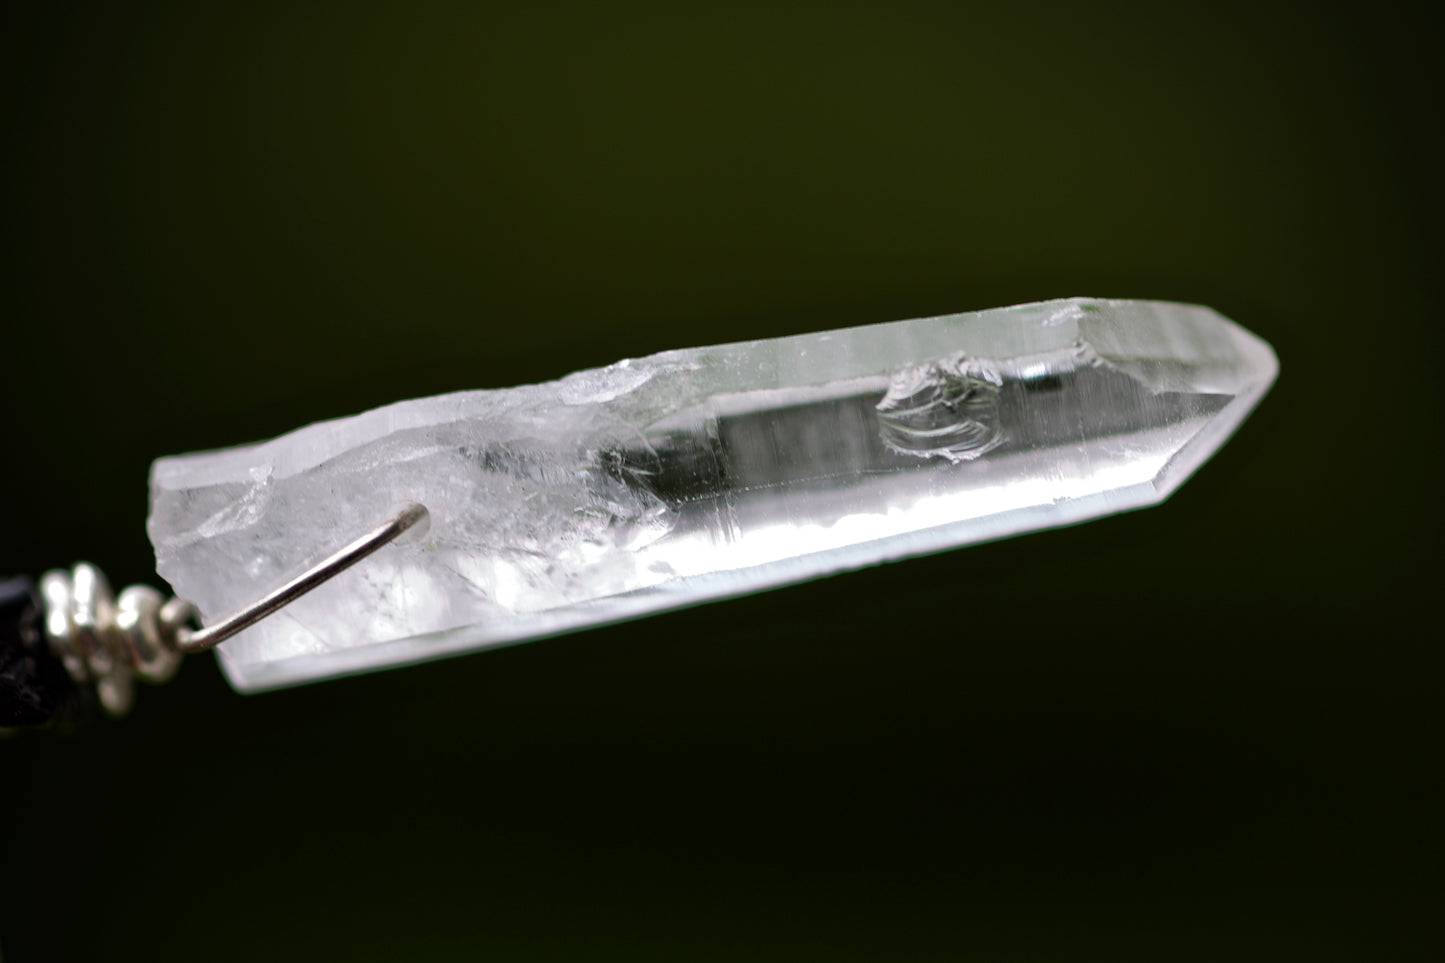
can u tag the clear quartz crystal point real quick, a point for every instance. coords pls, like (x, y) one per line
(691, 475)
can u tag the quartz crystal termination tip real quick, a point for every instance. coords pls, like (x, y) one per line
(698, 474)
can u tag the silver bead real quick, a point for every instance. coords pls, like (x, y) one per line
(137, 617)
(110, 642)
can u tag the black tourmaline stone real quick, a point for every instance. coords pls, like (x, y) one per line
(34, 686)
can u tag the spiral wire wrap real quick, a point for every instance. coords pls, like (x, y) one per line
(111, 641)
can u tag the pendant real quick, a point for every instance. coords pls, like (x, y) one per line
(659, 483)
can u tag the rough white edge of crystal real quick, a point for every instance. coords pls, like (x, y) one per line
(698, 590)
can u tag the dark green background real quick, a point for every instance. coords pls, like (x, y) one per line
(1206, 731)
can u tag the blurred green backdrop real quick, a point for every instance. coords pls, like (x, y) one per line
(1208, 730)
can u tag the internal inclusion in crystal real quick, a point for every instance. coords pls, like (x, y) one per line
(697, 474)
(947, 408)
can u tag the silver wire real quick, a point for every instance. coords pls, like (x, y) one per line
(328, 568)
(110, 642)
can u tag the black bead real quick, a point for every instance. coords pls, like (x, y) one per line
(34, 686)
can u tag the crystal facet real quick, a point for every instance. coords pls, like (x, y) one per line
(691, 475)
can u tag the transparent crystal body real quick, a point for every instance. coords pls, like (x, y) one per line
(696, 474)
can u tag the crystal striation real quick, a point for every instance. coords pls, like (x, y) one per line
(692, 475)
